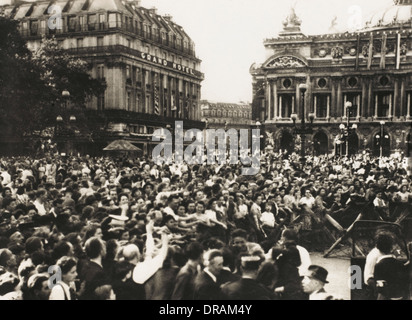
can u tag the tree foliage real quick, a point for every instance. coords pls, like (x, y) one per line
(31, 83)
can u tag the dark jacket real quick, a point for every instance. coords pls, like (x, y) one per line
(128, 290)
(184, 285)
(246, 289)
(206, 288)
(94, 276)
(161, 285)
(393, 272)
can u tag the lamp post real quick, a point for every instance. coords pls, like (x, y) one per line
(64, 130)
(303, 130)
(348, 105)
(382, 123)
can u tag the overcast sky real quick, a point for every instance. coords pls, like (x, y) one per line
(229, 34)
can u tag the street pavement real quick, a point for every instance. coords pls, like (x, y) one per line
(338, 277)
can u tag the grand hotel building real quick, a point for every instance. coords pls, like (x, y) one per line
(362, 78)
(147, 60)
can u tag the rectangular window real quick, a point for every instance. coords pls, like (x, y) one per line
(128, 101)
(147, 104)
(321, 105)
(100, 72)
(72, 24)
(138, 77)
(100, 102)
(100, 41)
(81, 22)
(92, 21)
(384, 103)
(112, 20)
(128, 76)
(34, 26)
(102, 18)
(138, 98)
(355, 99)
(285, 105)
(43, 26)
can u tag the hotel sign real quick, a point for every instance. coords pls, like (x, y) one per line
(170, 64)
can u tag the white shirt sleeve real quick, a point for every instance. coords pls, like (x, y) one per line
(370, 263)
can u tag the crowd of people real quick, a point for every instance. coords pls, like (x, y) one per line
(121, 228)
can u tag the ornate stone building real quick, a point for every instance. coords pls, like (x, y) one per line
(362, 79)
(231, 115)
(147, 60)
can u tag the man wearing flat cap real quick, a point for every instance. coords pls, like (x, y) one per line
(314, 281)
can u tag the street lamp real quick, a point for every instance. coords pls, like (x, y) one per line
(63, 130)
(348, 105)
(382, 123)
(303, 130)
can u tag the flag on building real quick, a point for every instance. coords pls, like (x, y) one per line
(173, 103)
(156, 94)
(398, 51)
(370, 52)
(383, 51)
(357, 51)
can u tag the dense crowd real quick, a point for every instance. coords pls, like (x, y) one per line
(120, 228)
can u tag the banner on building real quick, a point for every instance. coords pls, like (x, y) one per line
(398, 51)
(370, 52)
(383, 51)
(156, 94)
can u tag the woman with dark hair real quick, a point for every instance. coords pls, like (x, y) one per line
(64, 289)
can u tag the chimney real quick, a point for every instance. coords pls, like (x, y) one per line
(153, 10)
(134, 2)
(168, 17)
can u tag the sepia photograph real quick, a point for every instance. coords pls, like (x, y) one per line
(205, 151)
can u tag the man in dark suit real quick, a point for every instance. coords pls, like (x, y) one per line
(184, 286)
(92, 272)
(247, 288)
(206, 282)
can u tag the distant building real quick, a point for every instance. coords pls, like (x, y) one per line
(362, 78)
(147, 60)
(231, 115)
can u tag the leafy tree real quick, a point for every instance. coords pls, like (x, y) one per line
(31, 84)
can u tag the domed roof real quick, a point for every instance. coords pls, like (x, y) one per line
(399, 13)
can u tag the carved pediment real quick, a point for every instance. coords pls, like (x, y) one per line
(286, 62)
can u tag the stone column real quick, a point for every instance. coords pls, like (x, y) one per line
(339, 98)
(408, 106)
(396, 104)
(376, 106)
(279, 113)
(269, 100)
(275, 98)
(402, 99)
(365, 112)
(390, 106)
(293, 104)
(370, 100)
(359, 106)
(328, 107)
(333, 98)
(315, 104)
